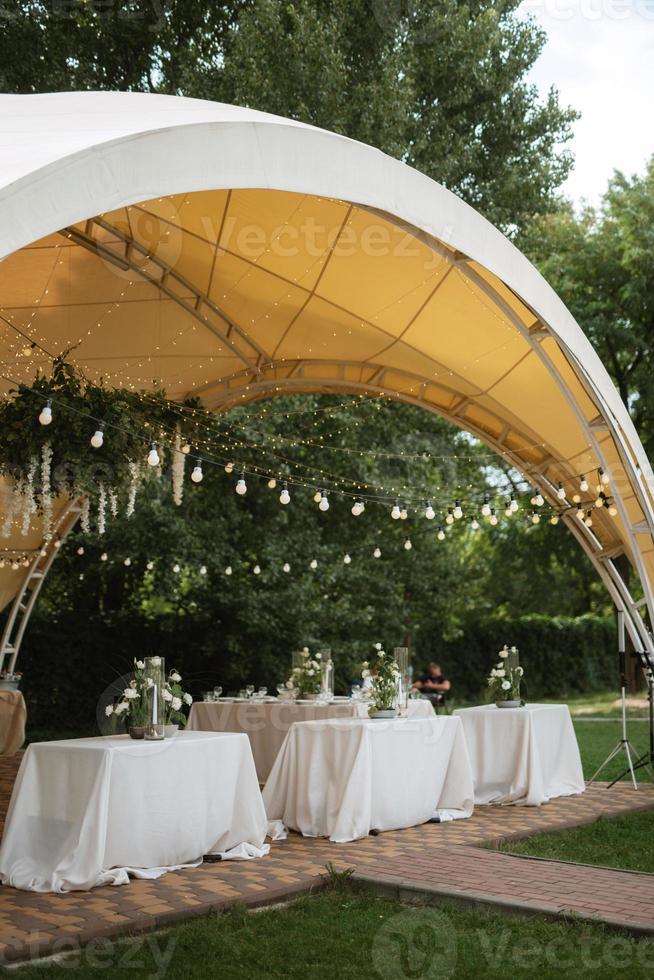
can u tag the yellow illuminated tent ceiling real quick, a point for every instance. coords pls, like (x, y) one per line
(232, 255)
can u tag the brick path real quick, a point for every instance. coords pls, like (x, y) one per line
(32, 925)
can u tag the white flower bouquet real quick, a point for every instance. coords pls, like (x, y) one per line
(384, 674)
(175, 697)
(306, 677)
(132, 705)
(504, 679)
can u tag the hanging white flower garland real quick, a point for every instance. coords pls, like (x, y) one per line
(102, 508)
(85, 516)
(134, 470)
(179, 461)
(46, 489)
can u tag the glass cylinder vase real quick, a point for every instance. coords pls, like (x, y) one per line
(154, 674)
(513, 670)
(326, 675)
(402, 659)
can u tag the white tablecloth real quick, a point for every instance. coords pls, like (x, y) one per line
(343, 778)
(266, 724)
(12, 721)
(90, 811)
(522, 755)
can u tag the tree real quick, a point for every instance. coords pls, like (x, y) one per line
(441, 85)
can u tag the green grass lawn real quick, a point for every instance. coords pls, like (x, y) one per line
(597, 738)
(345, 936)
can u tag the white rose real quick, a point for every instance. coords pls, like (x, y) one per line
(319, 656)
(149, 682)
(289, 685)
(310, 672)
(365, 672)
(122, 706)
(514, 649)
(155, 661)
(175, 677)
(139, 664)
(493, 672)
(167, 695)
(500, 673)
(519, 671)
(506, 686)
(176, 704)
(188, 698)
(504, 653)
(109, 710)
(378, 646)
(305, 651)
(130, 693)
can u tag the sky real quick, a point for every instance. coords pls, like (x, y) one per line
(600, 56)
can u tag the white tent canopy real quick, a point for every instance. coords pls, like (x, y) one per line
(234, 255)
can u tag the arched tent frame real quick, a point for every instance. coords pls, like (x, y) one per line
(74, 171)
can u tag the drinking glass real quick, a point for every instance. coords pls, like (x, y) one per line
(243, 694)
(249, 690)
(207, 695)
(217, 691)
(262, 692)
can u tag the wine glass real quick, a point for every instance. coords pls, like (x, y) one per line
(262, 692)
(207, 695)
(217, 691)
(249, 690)
(242, 694)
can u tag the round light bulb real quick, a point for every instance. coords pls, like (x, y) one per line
(150, 566)
(613, 510)
(554, 519)
(313, 564)
(450, 516)
(317, 496)
(153, 456)
(576, 498)
(605, 479)
(176, 568)
(97, 439)
(186, 449)
(285, 497)
(286, 567)
(508, 512)
(404, 514)
(203, 569)
(599, 502)
(15, 565)
(376, 553)
(407, 545)
(56, 543)
(357, 508)
(583, 485)
(25, 562)
(493, 517)
(514, 504)
(458, 512)
(474, 524)
(561, 492)
(229, 467)
(441, 534)
(538, 499)
(324, 502)
(80, 550)
(485, 508)
(346, 559)
(588, 520)
(128, 562)
(241, 486)
(580, 512)
(430, 513)
(257, 570)
(197, 473)
(104, 556)
(395, 513)
(45, 418)
(272, 483)
(228, 570)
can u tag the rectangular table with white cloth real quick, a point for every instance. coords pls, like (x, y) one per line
(91, 811)
(522, 755)
(266, 723)
(342, 778)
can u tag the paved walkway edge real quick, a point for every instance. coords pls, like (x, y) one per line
(408, 892)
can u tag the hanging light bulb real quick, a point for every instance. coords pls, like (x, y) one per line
(286, 567)
(554, 519)
(613, 510)
(104, 556)
(450, 516)
(583, 484)
(80, 550)
(186, 449)
(430, 513)
(228, 570)
(441, 534)
(514, 504)
(561, 491)
(197, 473)
(285, 497)
(127, 562)
(15, 565)
(56, 543)
(493, 517)
(317, 495)
(395, 513)
(485, 507)
(45, 418)
(241, 486)
(404, 513)
(203, 569)
(229, 467)
(346, 559)
(357, 507)
(588, 520)
(153, 455)
(376, 553)
(474, 524)
(313, 564)
(601, 497)
(257, 570)
(176, 568)
(25, 562)
(407, 545)
(580, 512)
(508, 511)
(150, 566)
(324, 502)
(272, 483)
(97, 439)
(538, 499)
(605, 479)
(458, 512)
(576, 498)
(43, 553)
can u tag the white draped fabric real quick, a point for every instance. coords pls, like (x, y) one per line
(522, 755)
(12, 721)
(267, 723)
(92, 811)
(342, 778)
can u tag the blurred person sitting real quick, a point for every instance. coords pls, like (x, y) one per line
(433, 685)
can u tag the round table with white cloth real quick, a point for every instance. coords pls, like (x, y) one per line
(92, 811)
(522, 755)
(266, 723)
(343, 777)
(12, 721)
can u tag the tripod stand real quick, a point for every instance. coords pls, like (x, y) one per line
(623, 744)
(646, 760)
